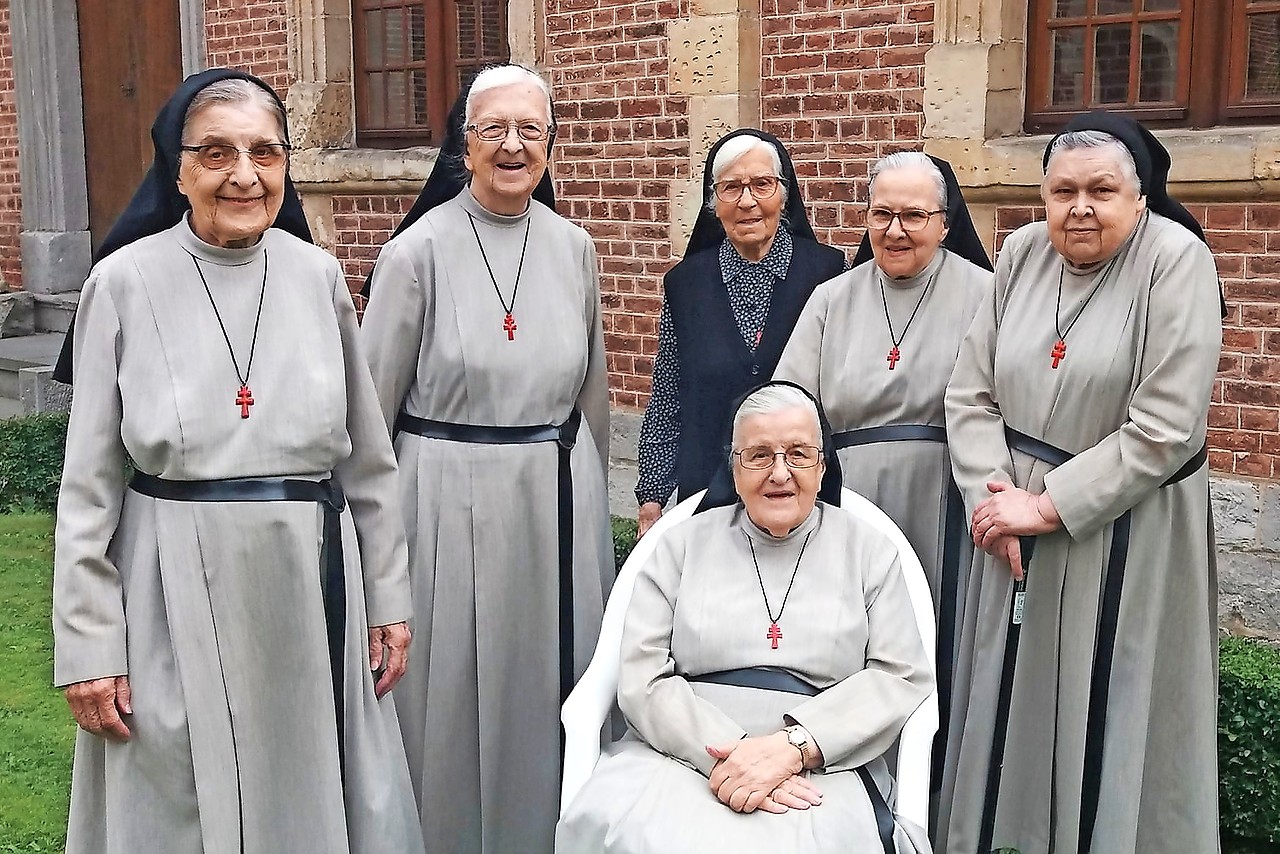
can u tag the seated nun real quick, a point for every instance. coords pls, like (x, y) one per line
(769, 660)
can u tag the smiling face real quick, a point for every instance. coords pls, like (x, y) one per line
(750, 223)
(1091, 208)
(233, 208)
(778, 498)
(504, 174)
(900, 253)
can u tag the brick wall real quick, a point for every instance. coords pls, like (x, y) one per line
(251, 35)
(10, 190)
(842, 85)
(361, 225)
(622, 140)
(1244, 419)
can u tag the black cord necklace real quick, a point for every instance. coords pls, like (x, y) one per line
(894, 355)
(1059, 351)
(509, 322)
(244, 397)
(775, 634)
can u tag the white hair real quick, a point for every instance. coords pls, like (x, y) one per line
(909, 160)
(235, 90)
(734, 149)
(773, 398)
(1080, 139)
(497, 76)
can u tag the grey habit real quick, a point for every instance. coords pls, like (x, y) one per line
(213, 610)
(838, 351)
(480, 705)
(1130, 401)
(697, 608)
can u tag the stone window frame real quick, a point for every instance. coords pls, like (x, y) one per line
(975, 89)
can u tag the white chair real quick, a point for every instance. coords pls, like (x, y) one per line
(587, 708)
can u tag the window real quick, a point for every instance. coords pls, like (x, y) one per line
(1168, 62)
(411, 58)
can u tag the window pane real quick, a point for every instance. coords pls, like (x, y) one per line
(491, 27)
(1262, 76)
(1067, 86)
(418, 82)
(417, 34)
(375, 108)
(397, 99)
(1162, 5)
(1115, 7)
(1069, 9)
(397, 37)
(468, 44)
(1111, 64)
(373, 40)
(1158, 71)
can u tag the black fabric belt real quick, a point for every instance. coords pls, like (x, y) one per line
(565, 436)
(1103, 655)
(767, 678)
(773, 679)
(333, 585)
(890, 433)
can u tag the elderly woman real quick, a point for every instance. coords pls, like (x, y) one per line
(751, 263)
(227, 617)
(877, 346)
(769, 659)
(485, 341)
(1084, 715)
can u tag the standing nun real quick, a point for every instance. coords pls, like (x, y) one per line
(485, 341)
(216, 616)
(1084, 716)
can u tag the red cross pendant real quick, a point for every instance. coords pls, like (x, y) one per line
(244, 399)
(774, 634)
(509, 326)
(1059, 353)
(894, 356)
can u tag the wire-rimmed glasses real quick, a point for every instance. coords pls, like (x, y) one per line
(221, 157)
(759, 457)
(912, 219)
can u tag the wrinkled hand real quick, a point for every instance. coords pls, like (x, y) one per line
(795, 792)
(1011, 511)
(98, 703)
(1009, 549)
(650, 512)
(389, 647)
(749, 770)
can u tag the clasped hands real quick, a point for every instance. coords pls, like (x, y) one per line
(761, 773)
(98, 704)
(1010, 513)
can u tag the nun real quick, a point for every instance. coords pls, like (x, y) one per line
(877, 345)
(1084, 711)
(228, 621)
(484, 336)
(751, 263)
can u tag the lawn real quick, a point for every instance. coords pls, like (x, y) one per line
(36, 730)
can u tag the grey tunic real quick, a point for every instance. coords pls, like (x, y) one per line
(1130, 400)
(214, 609)
(480, 704)
(697, 608)
(838, 351)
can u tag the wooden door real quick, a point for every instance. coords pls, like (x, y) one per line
(130, 64)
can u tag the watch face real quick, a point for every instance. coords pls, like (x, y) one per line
(796, 738)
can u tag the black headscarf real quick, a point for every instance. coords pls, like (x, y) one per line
(448, 177)
(1152, 161)
(721, 491)
(707, 230)
(962, 238)
(157, 205)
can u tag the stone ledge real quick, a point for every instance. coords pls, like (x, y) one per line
(361, 170)
(40, 392)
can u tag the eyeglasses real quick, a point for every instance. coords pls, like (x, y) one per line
(495, 131)
(223, 158)
(762, 456)
(911, 219)
(761, 188)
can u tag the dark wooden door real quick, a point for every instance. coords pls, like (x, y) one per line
(130, 63)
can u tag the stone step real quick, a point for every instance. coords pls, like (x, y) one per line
(25, 351)
(54, 311)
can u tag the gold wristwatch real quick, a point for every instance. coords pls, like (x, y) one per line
(802, 741)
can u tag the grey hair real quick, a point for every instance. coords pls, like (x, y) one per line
(733, 150)
(497, 76)
(773, 398)
(236, 90)
(1080, 139)
(909, 160)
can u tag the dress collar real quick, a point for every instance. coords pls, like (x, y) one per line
(776, 261)
(483, 214)
(220, 255)
(909, 283)
(761, 537)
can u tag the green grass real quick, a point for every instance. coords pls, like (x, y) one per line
(36, 730)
